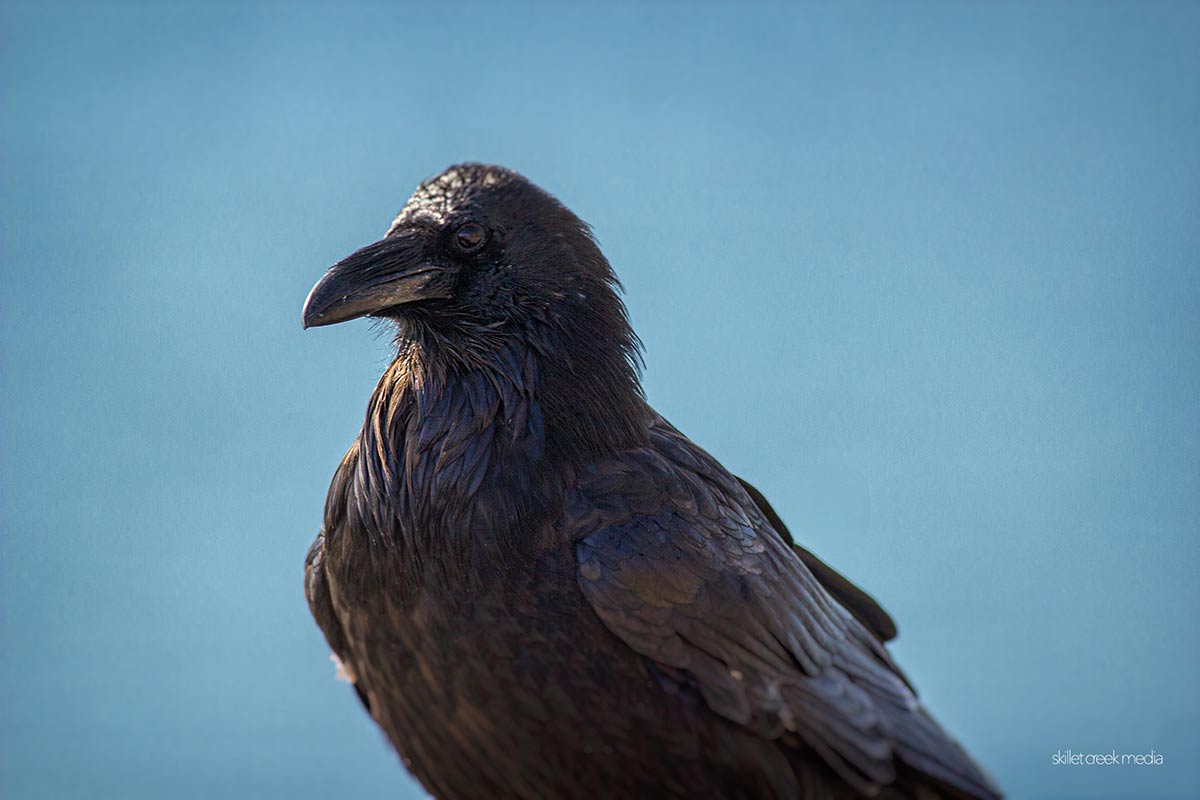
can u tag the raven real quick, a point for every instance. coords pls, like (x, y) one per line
(539, 588)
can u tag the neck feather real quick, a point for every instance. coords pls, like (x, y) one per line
(483, 435)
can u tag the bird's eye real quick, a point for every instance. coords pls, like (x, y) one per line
(470, 237)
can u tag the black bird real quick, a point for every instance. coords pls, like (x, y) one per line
(539, 588)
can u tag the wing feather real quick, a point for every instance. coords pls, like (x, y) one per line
(316, 584)
(682, 564)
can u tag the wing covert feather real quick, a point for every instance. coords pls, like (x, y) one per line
(856, 601)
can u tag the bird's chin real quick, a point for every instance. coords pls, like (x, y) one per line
(397, 314)
(425, 315)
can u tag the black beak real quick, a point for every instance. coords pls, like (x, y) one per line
(388, 273)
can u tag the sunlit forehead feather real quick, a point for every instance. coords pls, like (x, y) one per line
(438, 198)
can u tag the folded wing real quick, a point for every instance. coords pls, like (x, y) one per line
(682, 565)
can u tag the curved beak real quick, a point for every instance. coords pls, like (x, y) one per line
(388, 273)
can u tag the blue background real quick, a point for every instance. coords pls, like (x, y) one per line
(927, 275)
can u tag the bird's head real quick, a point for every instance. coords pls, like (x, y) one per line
(476, 248)
(481, 261)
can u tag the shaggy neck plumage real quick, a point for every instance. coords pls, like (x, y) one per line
(471, 423)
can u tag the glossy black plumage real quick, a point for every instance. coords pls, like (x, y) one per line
(539, 588)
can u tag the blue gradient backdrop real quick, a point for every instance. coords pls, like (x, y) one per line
(928, 275)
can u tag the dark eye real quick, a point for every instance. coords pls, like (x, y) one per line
(470, 237)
